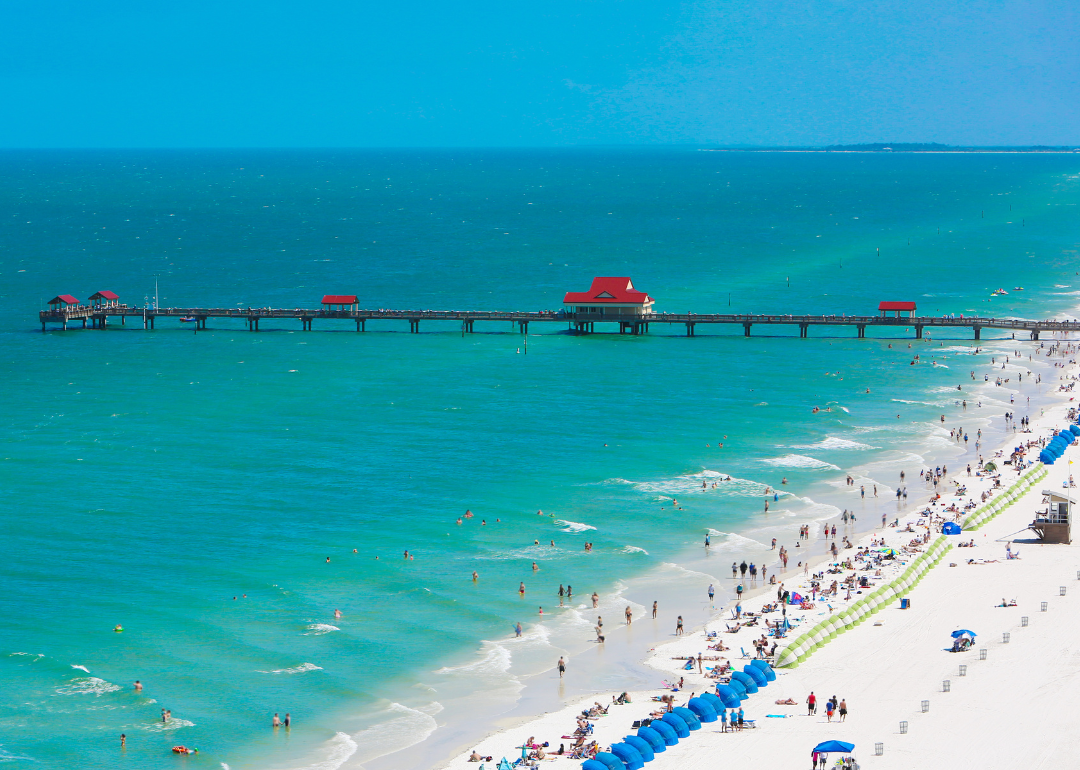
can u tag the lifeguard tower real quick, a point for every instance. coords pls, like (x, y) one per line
(1052, 525)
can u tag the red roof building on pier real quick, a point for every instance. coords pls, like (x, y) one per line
(615, 296)
(907, 308)
(105, 299)
(63, 300)
(340, 302)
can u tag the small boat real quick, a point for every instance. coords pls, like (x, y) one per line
(189, 320)
(1018, 288)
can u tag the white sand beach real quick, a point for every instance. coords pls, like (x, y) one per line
(1015, 706)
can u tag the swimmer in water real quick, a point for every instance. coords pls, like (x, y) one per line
(337, 613)
(475, 576)
(535, 568)
(138, 686)
(521, 589)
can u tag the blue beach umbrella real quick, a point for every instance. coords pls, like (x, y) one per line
(729, 696)
(831, 746)
(643, 747)
(961, 632)
(654, 738)
(951, 528)
(667, 732)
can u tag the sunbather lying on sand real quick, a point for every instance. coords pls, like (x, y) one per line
(788, 702)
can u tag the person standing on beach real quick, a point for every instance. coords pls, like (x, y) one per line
(843, 710)
(654, 610)
(734, 570)
(811, 704)
(595, 600)
(712, 592)
(562, 667)
(742, 569)
(629, 615)
(517, 629)
(678, 627)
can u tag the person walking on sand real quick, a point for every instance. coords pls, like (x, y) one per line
(811, 704)
(843, 710)
(712, 592)
(678, 627)
(562, 667)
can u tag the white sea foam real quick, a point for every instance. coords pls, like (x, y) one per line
(573, 526)
(405, 727)
(87, 685)
(302, 668)
(7, 756)
(494, 659)
(800, 461)
(834, 442)
(692, 484)
(633, 549)
(318, 629)
(81, 668)
(174, 723)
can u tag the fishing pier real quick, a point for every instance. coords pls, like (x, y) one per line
(610, 301)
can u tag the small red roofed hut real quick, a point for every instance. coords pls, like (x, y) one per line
(104, 299)
(905, 308)
(610, 297)
(62, 301)
(340, 302)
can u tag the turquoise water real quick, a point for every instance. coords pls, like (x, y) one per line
(150, 477)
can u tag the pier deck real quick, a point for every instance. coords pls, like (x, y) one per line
(101, 317)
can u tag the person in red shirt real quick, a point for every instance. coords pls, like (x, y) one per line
(811, 704)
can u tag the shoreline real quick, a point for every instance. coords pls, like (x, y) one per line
(626, 658)
(659, 658)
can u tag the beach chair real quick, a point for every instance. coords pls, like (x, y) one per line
(745, 654)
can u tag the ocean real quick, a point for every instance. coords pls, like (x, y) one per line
(220, 494)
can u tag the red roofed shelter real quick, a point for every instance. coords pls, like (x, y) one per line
(105, 299)
(908, 308)
(615, 297)
(62, 301)
(340, 302)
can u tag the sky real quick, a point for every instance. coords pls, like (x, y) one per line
(419, 73)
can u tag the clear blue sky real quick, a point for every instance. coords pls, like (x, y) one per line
(121, 73)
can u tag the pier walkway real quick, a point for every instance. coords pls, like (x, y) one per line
(582, 323)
